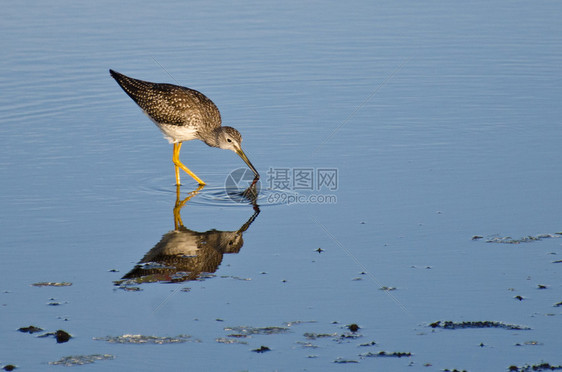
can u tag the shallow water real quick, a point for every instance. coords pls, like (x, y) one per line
(387, 135)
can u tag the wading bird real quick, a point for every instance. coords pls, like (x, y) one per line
(183, 114)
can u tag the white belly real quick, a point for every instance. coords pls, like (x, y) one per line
(175, 133)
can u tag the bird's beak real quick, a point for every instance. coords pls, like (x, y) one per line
(247, 161)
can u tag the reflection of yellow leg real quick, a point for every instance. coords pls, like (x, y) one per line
(178, 164)
(180, 203)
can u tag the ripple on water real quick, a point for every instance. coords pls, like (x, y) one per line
(217, 196)
(231, 197)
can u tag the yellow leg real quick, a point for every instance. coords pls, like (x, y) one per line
(178, 164)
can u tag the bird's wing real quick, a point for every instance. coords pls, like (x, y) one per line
(170, 104)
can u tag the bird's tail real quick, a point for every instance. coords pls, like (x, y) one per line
(136, 89)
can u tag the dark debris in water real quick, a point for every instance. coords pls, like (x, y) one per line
(349, 336)
(525, 239)
(307, 345)
(372, 343)
(386, 354)
(142, 339)
(56, 303)
(336, 336)
(229, 340)
(345, 361)
(130, 289)
(31, 329)
(385, 288)
(52, 284)
(237, 335)
(353, 327)
(535, 367)
(246, 330)
(9, 367)
(297, 322)
(78, 360)
(314, 336)
(60, 335)
(234, 277)
(527, 343)
(261, 349)
(479, 324)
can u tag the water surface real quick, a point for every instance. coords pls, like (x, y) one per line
(441, 121)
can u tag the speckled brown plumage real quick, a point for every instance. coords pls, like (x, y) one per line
(170, 104)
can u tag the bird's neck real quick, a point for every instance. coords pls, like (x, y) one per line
(213, 138)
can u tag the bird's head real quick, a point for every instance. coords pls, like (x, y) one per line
(230, 139)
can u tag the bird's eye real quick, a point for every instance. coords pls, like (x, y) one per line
(229, 140)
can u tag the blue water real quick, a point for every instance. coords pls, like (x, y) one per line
(441, 121)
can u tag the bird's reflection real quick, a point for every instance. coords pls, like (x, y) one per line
(183, 254)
